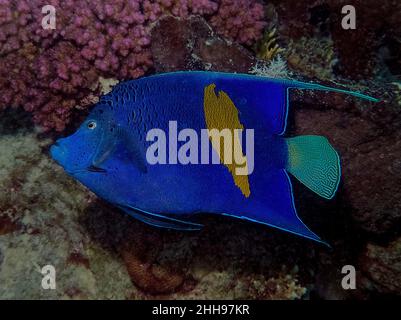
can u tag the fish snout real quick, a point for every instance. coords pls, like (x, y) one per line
(58, 151)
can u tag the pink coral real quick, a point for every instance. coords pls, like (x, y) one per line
(241, 20)
(51, 72)
(180, 8)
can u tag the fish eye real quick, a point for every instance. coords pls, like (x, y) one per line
(91, 125)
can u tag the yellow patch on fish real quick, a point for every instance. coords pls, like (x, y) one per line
(223, 122)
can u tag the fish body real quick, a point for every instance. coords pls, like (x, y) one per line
(112, 159)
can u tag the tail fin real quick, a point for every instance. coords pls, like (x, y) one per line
(314, 162)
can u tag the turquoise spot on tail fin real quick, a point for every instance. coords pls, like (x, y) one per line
(314, 162)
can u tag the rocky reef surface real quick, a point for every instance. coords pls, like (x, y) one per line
(98, 252)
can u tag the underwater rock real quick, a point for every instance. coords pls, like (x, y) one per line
(377, 27)
(191, 44)
(318, 63)
(356, 51)
(1, 258)
(381, 265)
(46, 206)
(7, 225)
(146, 273)
(170, 45)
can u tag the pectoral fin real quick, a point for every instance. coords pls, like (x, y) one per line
(119, 139)
(134, 150)
(105, 149)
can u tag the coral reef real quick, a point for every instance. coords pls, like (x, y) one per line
(275, 68)
(398, 92)
(267, 48)
(382, 267)
(242, 20)
(318, 63)
(51, 72)
(356, 50)
(48, 218)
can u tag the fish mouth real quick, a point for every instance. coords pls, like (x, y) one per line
(58, 153)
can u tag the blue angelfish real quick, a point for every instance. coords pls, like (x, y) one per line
(144, 149)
